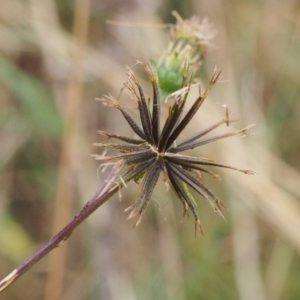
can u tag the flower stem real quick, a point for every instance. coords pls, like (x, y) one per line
(105, 191)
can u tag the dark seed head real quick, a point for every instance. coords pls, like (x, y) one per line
(153, 149)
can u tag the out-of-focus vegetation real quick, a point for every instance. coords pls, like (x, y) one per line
(254, 255)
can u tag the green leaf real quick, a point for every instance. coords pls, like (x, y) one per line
(35, 101)
(15, 243)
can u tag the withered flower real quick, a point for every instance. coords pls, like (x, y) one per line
(155, 150)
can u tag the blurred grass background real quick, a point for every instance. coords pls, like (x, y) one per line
(56, 57)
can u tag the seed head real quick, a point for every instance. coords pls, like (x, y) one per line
(154, 149)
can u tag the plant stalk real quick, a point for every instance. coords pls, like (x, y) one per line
(105, 191)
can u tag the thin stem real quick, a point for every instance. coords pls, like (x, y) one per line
(96, 201)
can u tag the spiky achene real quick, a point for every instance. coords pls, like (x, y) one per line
(155, 150)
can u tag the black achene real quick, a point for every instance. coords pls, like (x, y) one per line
(155, 150)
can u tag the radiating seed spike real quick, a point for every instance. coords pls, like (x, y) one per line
(185, 212)
(132, 213)
(198, 224)
(227, 116)
(138, 221)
